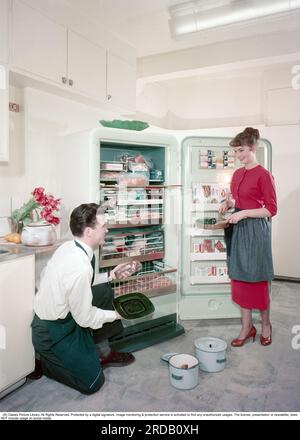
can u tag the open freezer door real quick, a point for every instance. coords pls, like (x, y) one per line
(140, 171)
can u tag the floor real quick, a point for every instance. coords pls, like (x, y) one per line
(256, 378)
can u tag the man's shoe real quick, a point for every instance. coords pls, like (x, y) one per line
(116, 359)
(38, 371)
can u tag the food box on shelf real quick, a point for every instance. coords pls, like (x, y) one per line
(112, 166)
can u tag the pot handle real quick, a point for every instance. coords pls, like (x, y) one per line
(177, 377)
(220, 361)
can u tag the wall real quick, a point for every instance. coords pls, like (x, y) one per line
(152, 104)
(230, 104)
(248, 96)
(43, 118)
(216, 103)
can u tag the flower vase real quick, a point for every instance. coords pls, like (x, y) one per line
(38, 234)
(16, 226)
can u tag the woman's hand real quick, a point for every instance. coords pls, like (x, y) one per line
(227, 204)
(236, 217)
(224, 207)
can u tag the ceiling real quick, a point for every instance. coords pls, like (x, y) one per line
(144, 24)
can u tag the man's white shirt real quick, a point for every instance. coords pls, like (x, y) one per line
(66, 287)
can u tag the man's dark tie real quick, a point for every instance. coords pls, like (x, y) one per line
(93, 266)
(92, 260)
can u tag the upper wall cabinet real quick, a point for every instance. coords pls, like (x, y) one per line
(86, 67)
(39, 45)
(121, 83)
(53, 55)
(4, 14)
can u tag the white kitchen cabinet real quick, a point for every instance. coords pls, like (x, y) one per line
(17, 356)
(86, 67)
(4, 127)
(49, 51)
(121, 83)
(39, 45)
(55, 58)
(4, 16)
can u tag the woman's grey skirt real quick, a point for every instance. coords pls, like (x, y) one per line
(249, 250)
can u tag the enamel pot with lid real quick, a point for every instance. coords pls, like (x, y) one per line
(183, 370)
(211, 353)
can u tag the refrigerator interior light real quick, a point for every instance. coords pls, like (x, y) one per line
(200, 15)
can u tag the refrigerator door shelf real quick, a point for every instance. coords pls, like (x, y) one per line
(199, 207)
(206, 295)
(208, 256)
(199, 232)
(209, 280)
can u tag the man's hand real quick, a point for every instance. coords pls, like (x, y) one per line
(118, 316)
(125, 270)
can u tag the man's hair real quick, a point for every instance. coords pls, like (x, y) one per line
(82, 217)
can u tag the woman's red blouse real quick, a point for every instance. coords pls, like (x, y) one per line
(253, 189)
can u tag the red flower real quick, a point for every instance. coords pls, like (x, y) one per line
(49, 205)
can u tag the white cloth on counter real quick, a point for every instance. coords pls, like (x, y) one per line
(66, 287)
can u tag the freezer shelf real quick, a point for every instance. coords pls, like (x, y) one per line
(140, 202)
(155, 279)
(133, 216)
(130, 224)
(116, 261)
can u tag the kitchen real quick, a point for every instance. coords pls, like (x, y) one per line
(212, 84)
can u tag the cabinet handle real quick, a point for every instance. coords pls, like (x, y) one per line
(64, 80)
(109, 97)
(71, 82)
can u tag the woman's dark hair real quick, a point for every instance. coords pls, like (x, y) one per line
(248, 137)
(82, 217)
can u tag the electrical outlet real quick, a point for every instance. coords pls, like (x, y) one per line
(13, 107)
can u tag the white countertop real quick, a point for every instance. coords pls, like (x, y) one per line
(20, 250)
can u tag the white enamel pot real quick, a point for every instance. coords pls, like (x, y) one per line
(184, 371)
(38, 234)
(211, 353)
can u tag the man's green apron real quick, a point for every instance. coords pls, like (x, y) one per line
(67, 351)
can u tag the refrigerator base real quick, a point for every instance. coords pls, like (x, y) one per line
(145, 334)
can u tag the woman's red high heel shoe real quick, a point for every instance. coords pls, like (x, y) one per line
(268, 340)
(240, 342)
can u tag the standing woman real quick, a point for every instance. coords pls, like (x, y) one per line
(248, 238)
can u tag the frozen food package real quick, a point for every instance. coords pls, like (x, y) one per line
(133, 179)
(145, 160)
(129, 268)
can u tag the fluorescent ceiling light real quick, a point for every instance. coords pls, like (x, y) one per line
(200, 15)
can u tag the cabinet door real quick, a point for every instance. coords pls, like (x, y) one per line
(39, 45)
(16, 313)
(4, 8)
(3, 114)
(121, 83)
(86, 67)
